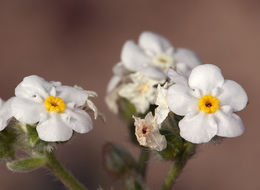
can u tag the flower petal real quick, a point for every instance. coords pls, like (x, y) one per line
(120, 70)
(177, 78)
(5, 113)
(234, 95)
(74, 95)
(114, 81)
(154, 42)
(187, 57)
(180, 100)
(133, 57)
(206, 78)
(34, 88)
(27, 111)
(78, 120)
(199, 128)
(161, 114)
(54, 129)
(153, 72)
(229, 124)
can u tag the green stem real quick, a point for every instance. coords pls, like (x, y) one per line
(65, 176)
(143, 161)
(177, 167)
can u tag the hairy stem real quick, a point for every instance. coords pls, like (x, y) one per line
(177, 167)
(65, 176)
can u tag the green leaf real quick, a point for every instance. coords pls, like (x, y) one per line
(126, 110)
(8, 138)
(27, 164)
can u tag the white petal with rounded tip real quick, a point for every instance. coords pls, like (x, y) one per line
(229, 124)
(199, 128)
(180, 100)
(5, 113)
(206, 78)
(27, 111)
(34, 88)
(114, 81)
(234, 95)
(120, 70)
(183, 70)
(54, 129)
(133, 57)
(187, 57)
(72, 94)
(78, 120)
(154, 42)
(177, 78)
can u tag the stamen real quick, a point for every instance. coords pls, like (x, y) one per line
(54, 104)
(208, 104)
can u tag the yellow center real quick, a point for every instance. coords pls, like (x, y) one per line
(54, 104)
(144, 88)
(208, 104)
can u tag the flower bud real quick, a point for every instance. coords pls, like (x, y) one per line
(27, 164)
(117, 159)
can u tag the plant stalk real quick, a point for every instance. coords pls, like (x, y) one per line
(178, 166)
(63, 174)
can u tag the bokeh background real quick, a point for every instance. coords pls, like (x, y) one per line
(78, 42)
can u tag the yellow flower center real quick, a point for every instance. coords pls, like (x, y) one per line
(54, 104)
(208, 104)
(144, 88)
(163, 61)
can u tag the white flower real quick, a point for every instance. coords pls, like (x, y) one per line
(208, 104)
(154, 55)
(148, 134)
(56, 109)
(140, 92)
(161, 112)
(5, 113)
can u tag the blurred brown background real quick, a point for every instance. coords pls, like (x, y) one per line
(78, 42)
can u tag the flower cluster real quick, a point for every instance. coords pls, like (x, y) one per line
(153, 72)
(54, 109)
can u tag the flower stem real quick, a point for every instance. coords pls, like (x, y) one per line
(65, 176)
(177, 167)
(143, 161)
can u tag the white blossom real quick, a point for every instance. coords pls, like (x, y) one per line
(57, 109)
(148, 134)
(208, 103)
(140, 92)
(154, 55)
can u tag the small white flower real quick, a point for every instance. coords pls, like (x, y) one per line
(57, 109)
(148, 134)
(208, 103)
(140, 92)
(154, 56)
(161, 112)
(5, 113)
